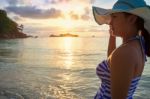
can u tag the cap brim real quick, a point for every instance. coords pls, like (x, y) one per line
(101, 16)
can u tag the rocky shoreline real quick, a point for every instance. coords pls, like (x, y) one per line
(13, 35)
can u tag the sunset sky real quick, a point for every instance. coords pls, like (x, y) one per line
(45, 17)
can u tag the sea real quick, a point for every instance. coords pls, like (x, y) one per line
(56, 68)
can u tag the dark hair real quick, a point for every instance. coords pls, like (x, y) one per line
(144, 33)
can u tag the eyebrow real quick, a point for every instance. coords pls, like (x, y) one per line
(115, 13)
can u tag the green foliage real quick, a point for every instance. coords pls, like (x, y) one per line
(6, 24)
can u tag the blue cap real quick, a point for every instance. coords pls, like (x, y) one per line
(128, 4)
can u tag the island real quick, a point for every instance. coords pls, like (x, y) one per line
(64, 35)
(9, 29)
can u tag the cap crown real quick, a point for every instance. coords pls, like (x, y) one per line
(129, 4)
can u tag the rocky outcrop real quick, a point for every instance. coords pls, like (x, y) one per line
(64, 35)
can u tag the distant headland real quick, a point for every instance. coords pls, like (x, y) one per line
(64, 35)
(10, 29)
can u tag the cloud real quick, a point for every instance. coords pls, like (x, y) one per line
(33, 12)
(56, 1)
(84, 16)
(19, 2)
(12, 2)
(68, 1)
(29, 9)
(17, 18)
(73, 15)
(51, 1)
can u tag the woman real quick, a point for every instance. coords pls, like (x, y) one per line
(121, 72)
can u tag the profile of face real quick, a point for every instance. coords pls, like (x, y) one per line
(121, 23)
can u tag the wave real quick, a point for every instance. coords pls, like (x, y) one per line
(5, 94)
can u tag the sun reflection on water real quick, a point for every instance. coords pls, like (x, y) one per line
(68, 46)
(68, 43)
(60, 78)
(68, 61)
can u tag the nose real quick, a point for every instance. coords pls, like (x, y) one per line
(110, 21)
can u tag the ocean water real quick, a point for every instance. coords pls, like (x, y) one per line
(55, 68)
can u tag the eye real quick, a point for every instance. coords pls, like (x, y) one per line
(113, 16)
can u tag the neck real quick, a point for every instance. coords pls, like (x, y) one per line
(129, 36)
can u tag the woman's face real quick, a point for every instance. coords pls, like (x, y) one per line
(118, 24)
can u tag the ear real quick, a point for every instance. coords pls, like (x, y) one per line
(132, 19)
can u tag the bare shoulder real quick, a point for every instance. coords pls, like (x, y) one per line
(122, 66)
(124, 55)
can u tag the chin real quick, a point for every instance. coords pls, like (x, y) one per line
(117, 35)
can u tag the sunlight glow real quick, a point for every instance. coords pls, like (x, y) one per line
(79, 9)
(67, 24)
(68, 61)
(68, 43)
(67, 77)
(69, 57)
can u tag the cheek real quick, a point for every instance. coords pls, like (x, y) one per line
(121, 25)
(119, 28)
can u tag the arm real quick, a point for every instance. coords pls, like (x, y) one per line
(111, 45)
(122, 67)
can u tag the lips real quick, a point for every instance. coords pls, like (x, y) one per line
(111, 28)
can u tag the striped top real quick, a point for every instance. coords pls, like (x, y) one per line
(103, 72)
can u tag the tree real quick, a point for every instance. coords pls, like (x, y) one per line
(20, 28)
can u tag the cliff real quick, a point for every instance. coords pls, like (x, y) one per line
(8, 28)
